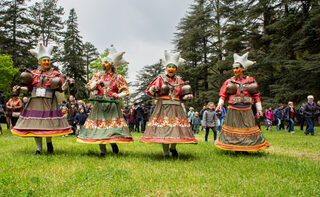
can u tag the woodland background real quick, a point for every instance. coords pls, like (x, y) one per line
(282, 36)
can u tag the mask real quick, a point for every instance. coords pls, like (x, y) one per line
(237, 71)
(45, 63)
(171, 70)
(107, 65)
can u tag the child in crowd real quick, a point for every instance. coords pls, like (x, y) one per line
(209, 121)
(196, 122)
(80, 119)
(270, 118)
(131, 119)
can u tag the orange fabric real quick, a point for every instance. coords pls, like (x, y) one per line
(239, 109)
(167, 97)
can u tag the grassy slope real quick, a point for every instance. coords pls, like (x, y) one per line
(290, 167)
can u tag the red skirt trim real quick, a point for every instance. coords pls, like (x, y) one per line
(41, 133)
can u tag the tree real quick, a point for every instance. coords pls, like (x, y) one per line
(7, 74)
(15, 32)
(144, 77)
(90, 54)
(47, 23)
(73, 56)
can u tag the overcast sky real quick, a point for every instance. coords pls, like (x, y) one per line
(142, 28)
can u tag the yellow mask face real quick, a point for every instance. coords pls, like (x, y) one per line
(171, 70)
(45, 63)
(107, 65)
(237, 71)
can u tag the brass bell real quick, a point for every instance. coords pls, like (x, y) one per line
(186, 89)
(55, 83)
(26, 78)
(252, 88)
(165, 89)
(232, 89)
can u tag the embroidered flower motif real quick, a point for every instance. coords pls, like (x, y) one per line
(105, 124)
(169, 122)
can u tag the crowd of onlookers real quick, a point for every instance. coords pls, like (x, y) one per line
(309, 112)
(136, 116)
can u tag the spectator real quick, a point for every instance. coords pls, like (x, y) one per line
(265, 119)
(125, 111)
(72, 100)
(210, 121)
(153, 107)
(145, 116)
(80, 119)
(270, 118)
(71, 115)
(196, 122)
(139, 115)
(190, 115)
(88, 108)
(310, 113)
(2, 108)
(221, 114)
(63, 104)
(64, 110)
(283, 117)
(14, 106)
(201, 115)
(302, 118)
(290, 114)
(24, 102)
(278, 116)
(82, 105)
(131, 120)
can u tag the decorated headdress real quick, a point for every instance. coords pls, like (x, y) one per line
(172, 58)
(41, 51)
(243, 60)
(115, 58)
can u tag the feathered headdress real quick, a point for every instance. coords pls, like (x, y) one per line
(41, 51)
(243, 60)
(172, 58)
(115, 58)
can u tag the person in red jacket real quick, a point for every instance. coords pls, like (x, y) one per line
(168, 124)
(239, 131)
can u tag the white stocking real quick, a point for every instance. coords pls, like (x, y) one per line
(39, 143)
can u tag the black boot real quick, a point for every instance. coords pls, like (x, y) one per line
(115, 148)
(37, 152)
(174, 153)
(50, 147)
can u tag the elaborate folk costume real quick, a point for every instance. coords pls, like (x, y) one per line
(239, 131)
(42, 116)
(105, 124)
(169, 123)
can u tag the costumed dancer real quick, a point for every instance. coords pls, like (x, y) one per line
(239, 131)
(169, 123)
(105, 124)
(42, 116)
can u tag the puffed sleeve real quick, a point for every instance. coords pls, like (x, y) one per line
(223, 93)
(157, 83)
(92, 84)
(123, 89)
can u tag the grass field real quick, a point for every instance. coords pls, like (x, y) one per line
(290, 167)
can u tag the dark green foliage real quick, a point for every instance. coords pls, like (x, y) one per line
(144, 77)
(74, 57)
(282, 36)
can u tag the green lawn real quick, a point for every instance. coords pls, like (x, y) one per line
(290, 167)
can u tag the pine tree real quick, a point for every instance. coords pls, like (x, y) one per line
(74, 57)
(47, 23)
(144, 77)
(90, 54)
(15, 33)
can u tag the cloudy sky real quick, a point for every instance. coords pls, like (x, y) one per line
(142, 28)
